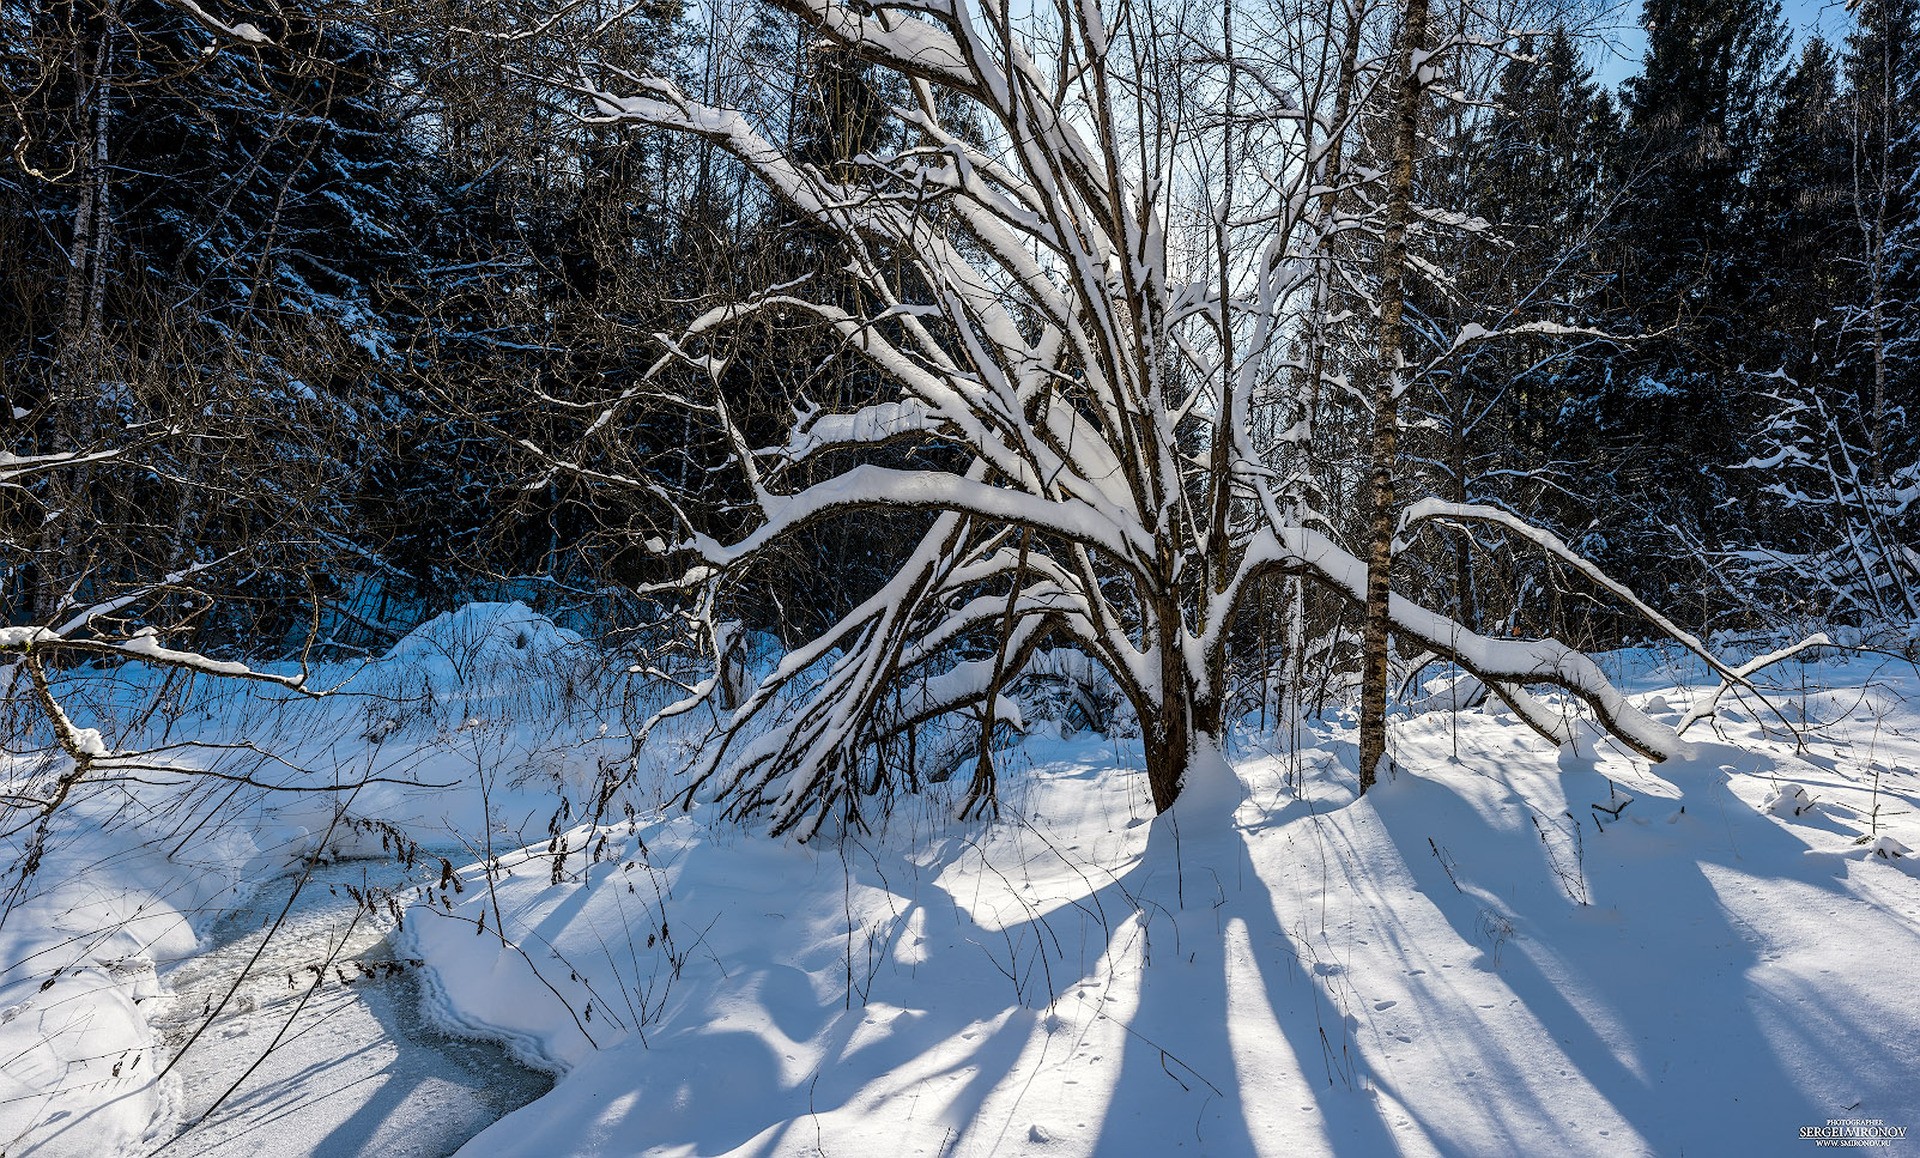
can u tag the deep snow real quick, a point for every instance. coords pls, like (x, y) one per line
(1506, 948)
(1453, 965)
(154, 853)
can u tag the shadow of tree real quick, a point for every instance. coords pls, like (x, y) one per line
(1675, 1008)
(1314, 980)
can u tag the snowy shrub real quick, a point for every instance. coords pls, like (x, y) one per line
(1840, 545)
(1099, 427)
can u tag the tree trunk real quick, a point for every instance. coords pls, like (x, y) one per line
(1184, 721)
(1169, 729)
(82, 313)
(1466, 600)
(1877, 419)
(86, 253)
(1388, 382)
(1169, 745)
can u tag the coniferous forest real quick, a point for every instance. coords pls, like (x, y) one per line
(305, 302)
(540, 447)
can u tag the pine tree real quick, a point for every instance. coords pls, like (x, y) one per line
(1799, 219)
(556, 248)
(1882, 110)
(1833, 455)
(231, 241)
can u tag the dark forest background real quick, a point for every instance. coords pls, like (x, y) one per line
(320, 295)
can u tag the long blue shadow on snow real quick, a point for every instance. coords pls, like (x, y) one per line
(1195, 1100)
(1656, 956)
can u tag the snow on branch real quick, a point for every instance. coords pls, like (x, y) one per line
(1548, 542)
(240, 31)
(14, 467)
(1506, 665)
(1132, 407)
(1740, 676)
(29, 645)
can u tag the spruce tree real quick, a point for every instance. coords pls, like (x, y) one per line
(1493, 429)
(1671, 411)
(1882, 111)
(1799, 220)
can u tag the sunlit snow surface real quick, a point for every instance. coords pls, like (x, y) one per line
(1505, 949)
(1480, 958)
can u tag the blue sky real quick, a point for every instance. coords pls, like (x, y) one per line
(1828, 17)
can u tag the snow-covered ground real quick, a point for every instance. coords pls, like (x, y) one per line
(462, 736)
(1503, 949)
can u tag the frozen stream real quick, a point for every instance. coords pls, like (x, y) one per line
(357, 1068)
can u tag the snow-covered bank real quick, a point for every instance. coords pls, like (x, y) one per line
(1507, 949)
(355, 1066)
(292, 1011)
(77, 972)
(462, 733)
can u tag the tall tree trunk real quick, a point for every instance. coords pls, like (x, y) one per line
(1877, 420)
(1466, 599)
(86, 255)
(1389, 379)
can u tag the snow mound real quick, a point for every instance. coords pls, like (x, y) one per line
(1452, 692)
(1887, 848)
(484, 639)
(1788, 801)
(1212, 791)
(482, 662)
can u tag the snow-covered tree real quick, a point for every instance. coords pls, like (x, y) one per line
(1078, 305)
(1836, 457)
(1882, 114)
(1686, 277)
(1844, 539)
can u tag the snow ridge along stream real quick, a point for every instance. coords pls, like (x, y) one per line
(325, 1044)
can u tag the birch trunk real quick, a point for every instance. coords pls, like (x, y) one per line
(1389, 381)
